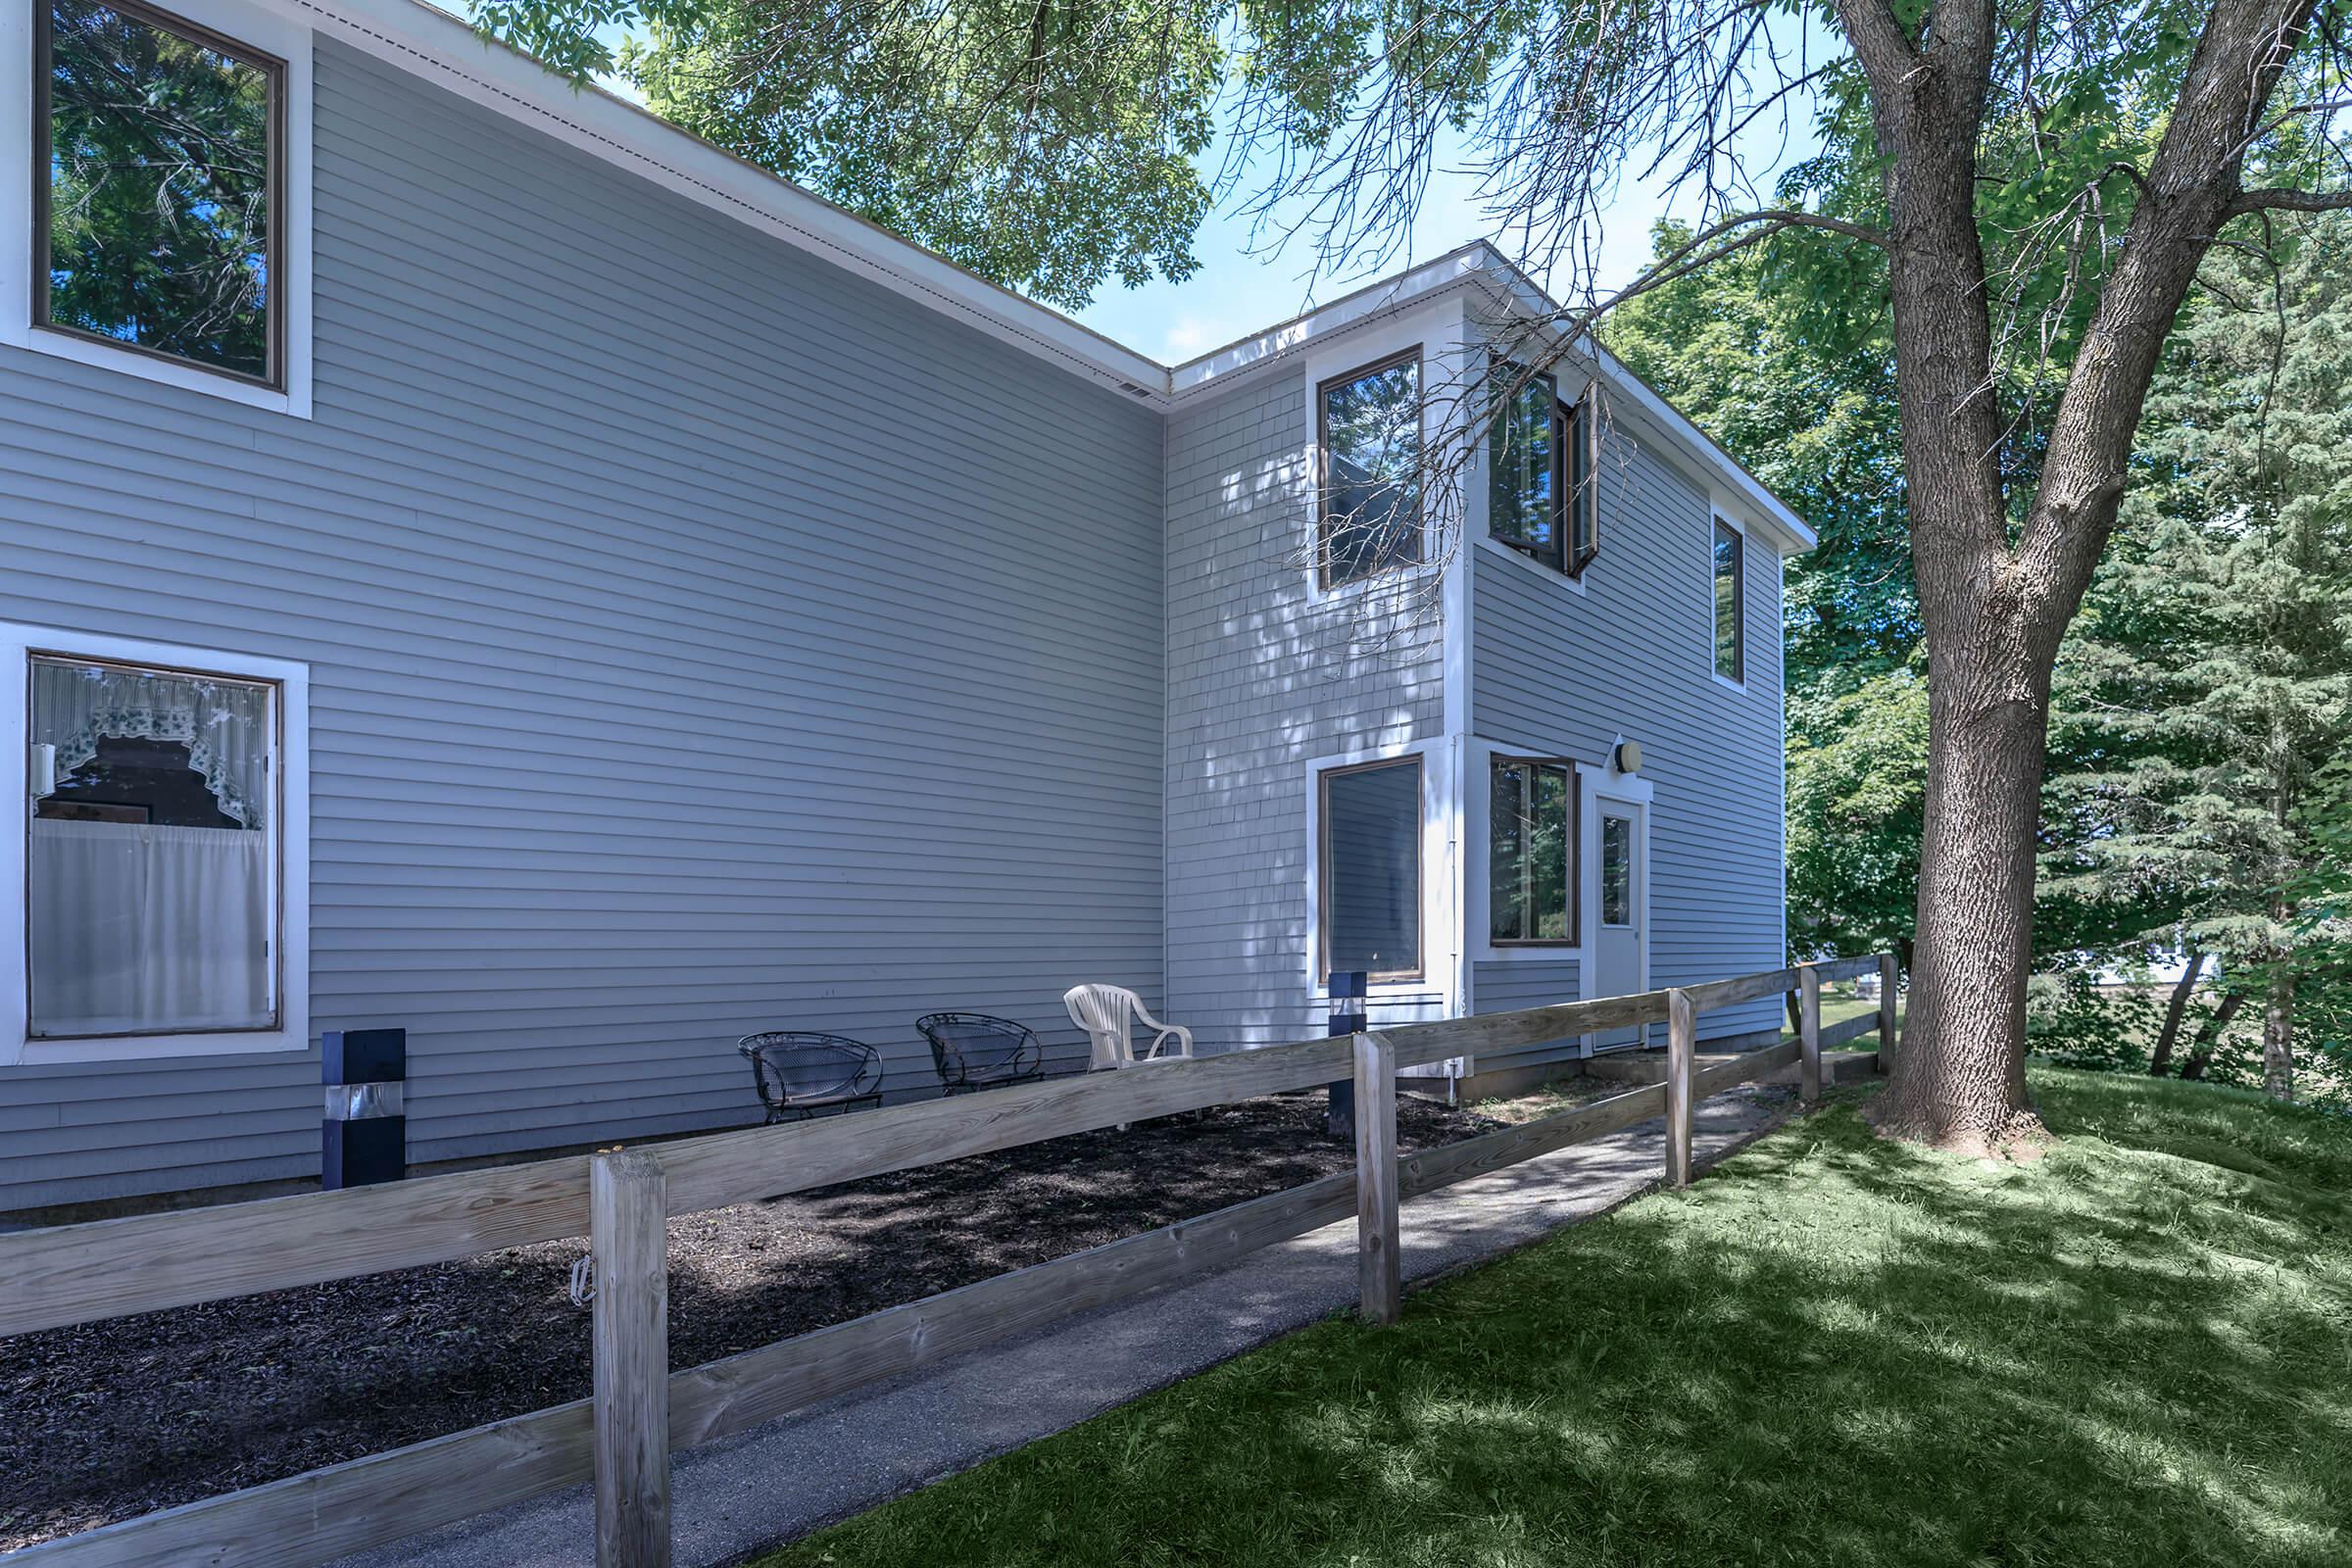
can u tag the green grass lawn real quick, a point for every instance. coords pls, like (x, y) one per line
(1833, 1349)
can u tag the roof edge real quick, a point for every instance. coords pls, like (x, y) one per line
(443, 48)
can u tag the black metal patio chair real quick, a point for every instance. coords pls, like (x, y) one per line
(974, 1051)
(799, 1074)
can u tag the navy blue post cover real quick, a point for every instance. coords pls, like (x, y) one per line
(364, 1055)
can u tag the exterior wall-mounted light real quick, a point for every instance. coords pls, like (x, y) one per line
(1626, 756)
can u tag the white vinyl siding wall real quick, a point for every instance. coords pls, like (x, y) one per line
(1263, 681)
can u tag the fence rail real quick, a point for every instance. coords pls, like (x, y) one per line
(640, 1411)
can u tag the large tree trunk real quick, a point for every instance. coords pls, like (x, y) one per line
(2160, 1060)
(2279, 1036)
(1959, 1082)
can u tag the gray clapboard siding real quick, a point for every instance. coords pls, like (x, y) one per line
(701, 638)
(1632, 655)
(1510, 985)
(1262, 679)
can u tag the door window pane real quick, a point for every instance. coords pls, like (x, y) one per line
(1371, 443)
(1532, 830)
(151, 871)
(159, 194)
(1371, 864)
(1616, 870)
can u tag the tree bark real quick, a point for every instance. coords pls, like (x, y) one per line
(1992, 610)
(2279, 1036)
(2200, 1056)
(2160, 1060)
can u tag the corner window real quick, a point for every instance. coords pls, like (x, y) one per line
(1530, 855)
(1731, 571)
(1580, 440)
(1368, 437)
(1369, 855)
(1523, 467)
(154, 856)
(1542, 500)
(158, 187)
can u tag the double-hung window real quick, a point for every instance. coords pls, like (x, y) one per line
(1542, 498)
(1531, 856)
(1731, 594)
(1368, 442)
(153, 858)
(1368, 855)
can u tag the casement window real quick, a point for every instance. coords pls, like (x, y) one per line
(157, 181)
(1541, 499)
(158, 856)
(1531, 856)
(1731, 583)
(1369, 856)
(1368, 445)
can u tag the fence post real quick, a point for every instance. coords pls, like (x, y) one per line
(1682, 1050)
(629, 1235)
(1889, 979)
(1808, 1033)
(1379, 1270)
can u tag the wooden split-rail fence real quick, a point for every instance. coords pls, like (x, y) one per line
(640, 1412)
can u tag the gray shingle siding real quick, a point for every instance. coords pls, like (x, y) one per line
(1569, 673)
(701, 638)
(1263, 678)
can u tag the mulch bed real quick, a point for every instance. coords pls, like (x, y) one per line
(118, 1419)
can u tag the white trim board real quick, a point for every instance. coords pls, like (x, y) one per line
(263, 25)
(293, 1031)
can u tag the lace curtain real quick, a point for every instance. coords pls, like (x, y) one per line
(224, 724)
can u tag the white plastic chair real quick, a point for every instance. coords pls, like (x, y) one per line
(1105, 1013)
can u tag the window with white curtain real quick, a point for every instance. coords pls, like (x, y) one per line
(154, 853)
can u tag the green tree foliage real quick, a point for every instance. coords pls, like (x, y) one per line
(159, 189)
(1047, 145)
(1811, 410)
(2208, 684)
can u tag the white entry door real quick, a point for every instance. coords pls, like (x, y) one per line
(1620, 909)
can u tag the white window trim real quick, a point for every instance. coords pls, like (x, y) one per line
(293, 1032)
(1575, 585)
(1437, 331)
(1716, 515)
(1440, 943)
(271, 32)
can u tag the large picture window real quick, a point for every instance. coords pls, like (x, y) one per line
(153, 861)
(1369, 855)
(1542, 498)
(1731, 583)
(1368, 434)
(157, 187)
(1530, 857)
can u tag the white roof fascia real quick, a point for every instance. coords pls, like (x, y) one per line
(443, 49)
(1737, 491)
(1218, 367)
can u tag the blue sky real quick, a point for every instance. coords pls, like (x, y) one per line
(1242, 287)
